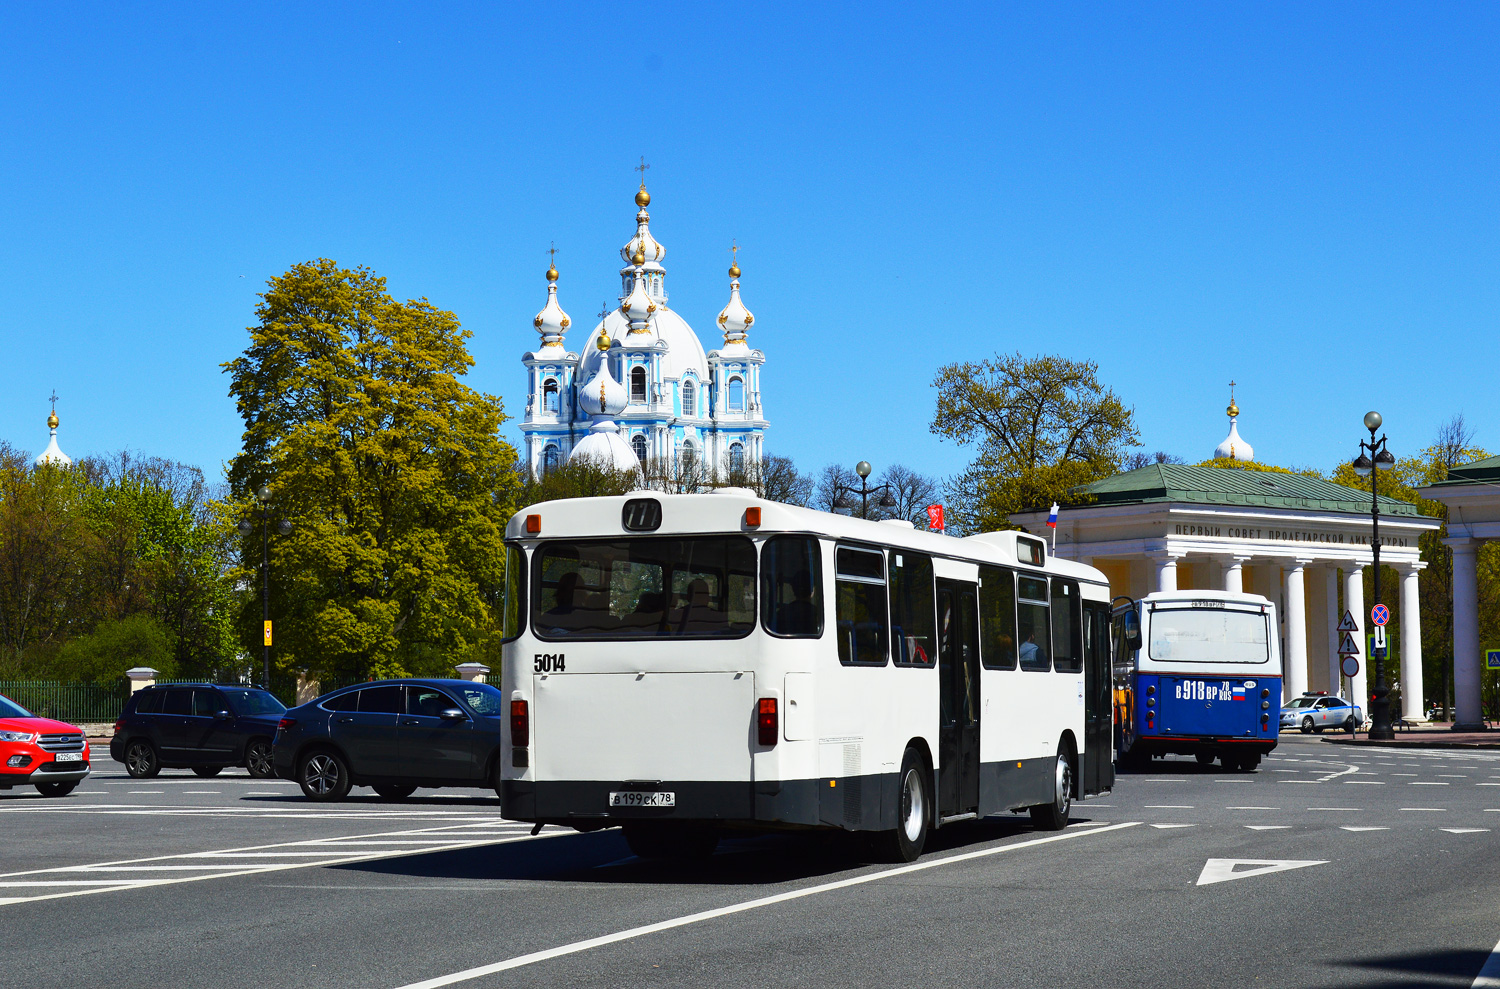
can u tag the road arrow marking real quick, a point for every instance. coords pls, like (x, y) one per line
(1223, 870)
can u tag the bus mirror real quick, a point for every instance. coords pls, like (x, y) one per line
(1132, 630)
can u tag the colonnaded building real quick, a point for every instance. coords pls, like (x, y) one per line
(643, 389)
(1301, 542)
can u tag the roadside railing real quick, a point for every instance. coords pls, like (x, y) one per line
(75, 703)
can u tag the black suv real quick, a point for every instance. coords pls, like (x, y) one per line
(198, 725)
(393, 735)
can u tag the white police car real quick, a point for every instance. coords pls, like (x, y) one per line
(1312, 712)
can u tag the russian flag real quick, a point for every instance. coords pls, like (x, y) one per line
(1052, 519)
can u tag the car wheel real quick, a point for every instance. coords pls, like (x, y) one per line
(1054, 816)
(258, 759)
(389, 791)
(207, 770)
(56, 789)
(140, 760)
(1204, 758)
(1307, 725)
(323, 775)
(913, 810)
(1349, 725)
(683, 841)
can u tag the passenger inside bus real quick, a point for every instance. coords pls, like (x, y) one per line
(567, 589)
(797, 616)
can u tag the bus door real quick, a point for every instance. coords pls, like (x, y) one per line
(958, 670)
(1098, 705)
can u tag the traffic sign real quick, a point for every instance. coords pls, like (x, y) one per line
(1380, 614)
(1350, 667)
(1347, 645)
(1492, 659)
(1348, 624)
(1379, 637)
(268, 632)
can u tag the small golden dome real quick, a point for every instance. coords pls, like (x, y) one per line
(52, 420)
(639, 257)
(1232, 411)
(552, 273)
(643, 198)
(734, 271)
(603, 342)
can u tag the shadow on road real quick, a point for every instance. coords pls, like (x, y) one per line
(1440, 967)
(604, 857)
(1177, 767)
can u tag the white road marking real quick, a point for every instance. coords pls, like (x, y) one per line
(1487, 784)
(1268, 827)
(1456, 776)
(1425, 783)
(1463, 830)
(1297, 781)
(1169, 807)
(1232, 781)
(1356, 827)
(1223, 870)
(1252, 808)
(575, 947)
(1333, 808)
(1165, 826)
(1425, 808)
(1371, 782)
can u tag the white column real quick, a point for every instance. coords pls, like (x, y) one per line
(141, 677)
(1294, 663)
(1412, 701)
(474, 672)
(1166, 572)
(1234, 575)
(1331, 575)
(1468, 714)
(1354, 603)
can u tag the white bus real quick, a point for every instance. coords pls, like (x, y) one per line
(685, 664)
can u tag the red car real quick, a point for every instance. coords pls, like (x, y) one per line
(49, 755)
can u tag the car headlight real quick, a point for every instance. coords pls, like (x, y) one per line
(17, 736)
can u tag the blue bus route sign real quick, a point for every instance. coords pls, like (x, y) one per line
(1380, 614)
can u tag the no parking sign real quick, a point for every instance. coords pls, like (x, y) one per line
(1380, 614)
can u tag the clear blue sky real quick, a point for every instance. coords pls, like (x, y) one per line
(1302, 197)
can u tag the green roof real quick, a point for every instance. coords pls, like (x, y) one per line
(1487, 469)
(1231, 486)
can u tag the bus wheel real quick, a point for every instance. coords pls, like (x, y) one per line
(904, 844)
(680, 840)
(1204, 758)
(1054, 816)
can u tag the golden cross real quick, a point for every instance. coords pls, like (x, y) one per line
(552, 254)
(642, 169)
(734, 254)
(1231, 393)
(54, 398)
(604, 312)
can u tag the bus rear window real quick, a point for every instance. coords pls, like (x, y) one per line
(648, 588)
(1194, 635)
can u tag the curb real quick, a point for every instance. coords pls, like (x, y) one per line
(1422, 744)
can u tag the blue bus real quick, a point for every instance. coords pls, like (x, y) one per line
(1196, 673)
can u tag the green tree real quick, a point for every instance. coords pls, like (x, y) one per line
(1043, 426)
(389, 467)
(114, 646)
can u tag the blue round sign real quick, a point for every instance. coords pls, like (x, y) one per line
(1380, 614)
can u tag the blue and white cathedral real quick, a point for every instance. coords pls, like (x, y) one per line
(643, 391)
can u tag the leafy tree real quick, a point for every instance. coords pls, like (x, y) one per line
(1043, 426)
(579, 479)
(389, 468)
(114, 646)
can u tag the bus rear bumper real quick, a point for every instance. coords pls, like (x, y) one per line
(1192, 745)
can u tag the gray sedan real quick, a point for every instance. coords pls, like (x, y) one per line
(1314, 712)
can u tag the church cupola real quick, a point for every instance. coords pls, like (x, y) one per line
(552, 322)
(1234, 448)
(735, 320)
(603, 398)
(643, 255)
(53, 454)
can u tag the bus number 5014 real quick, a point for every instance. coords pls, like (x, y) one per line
(547, 663)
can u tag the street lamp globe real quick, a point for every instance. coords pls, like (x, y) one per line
(862, 468)
(245, 527)
(1362, 465)
(1373, 421)
(284, 527)
(263, 495)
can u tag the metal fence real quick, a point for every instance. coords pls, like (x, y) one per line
(76, 703)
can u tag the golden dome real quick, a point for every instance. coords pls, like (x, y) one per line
(603, 342)
(52, 420)
(552, 273)
(1232, 411)
(643, 198)
(734, 271)
(639, 257)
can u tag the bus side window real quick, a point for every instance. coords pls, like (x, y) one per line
(791, 577)
(860, 606)
(997, 618)
(1067, 645)
(913, 609)
(1033, 624)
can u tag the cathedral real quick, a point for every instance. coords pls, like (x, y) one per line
(643, 393)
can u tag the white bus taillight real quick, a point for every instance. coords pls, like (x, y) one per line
(766, 723)
(520, 725)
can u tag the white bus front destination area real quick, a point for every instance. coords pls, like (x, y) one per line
(686, 664)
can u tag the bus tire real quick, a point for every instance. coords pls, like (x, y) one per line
(1204, 758)
(1054, 816)
(680, 840)
(913, 812)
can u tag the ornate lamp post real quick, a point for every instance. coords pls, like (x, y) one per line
(262, 512)
(1373, 458)
(864, 491)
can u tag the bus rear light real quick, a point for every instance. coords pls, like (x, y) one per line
(752, 516)
(767, 725)
(533, 523)
(520, 725)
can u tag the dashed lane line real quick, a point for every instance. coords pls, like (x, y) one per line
(521, 961)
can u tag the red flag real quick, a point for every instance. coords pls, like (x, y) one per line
(935, 517)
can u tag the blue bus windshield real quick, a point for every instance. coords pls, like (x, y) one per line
(1193, 635)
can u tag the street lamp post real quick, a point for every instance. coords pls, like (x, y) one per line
(262, 512)
(864, 491)
(1373, 458)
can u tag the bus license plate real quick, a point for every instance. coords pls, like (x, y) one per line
(67, 757)
(642, 798)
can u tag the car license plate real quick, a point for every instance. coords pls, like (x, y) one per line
(642, 798)
(67, 757)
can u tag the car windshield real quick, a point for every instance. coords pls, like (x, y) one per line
(10, 709)
(246, 701)
(1301, 702)
(483, 699)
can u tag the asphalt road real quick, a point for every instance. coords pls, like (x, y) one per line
(1327, 867)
